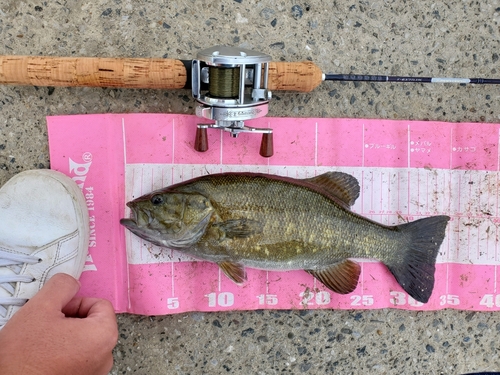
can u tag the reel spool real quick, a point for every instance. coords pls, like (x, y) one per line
(235, 82)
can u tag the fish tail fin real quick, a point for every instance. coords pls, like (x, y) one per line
(414, 269)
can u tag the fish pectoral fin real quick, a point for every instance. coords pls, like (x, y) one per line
(340, 185)
(234, 271)
(240, 228)
(341, 277)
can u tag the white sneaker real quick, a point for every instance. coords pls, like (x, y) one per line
(44, 230)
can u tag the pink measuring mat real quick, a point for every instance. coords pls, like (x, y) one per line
(406, 170)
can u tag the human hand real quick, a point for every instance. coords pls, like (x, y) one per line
(57, 333)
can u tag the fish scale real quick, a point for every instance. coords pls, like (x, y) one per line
(291, 217)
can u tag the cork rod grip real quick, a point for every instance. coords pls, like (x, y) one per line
(135, 73)
(93, 71)
(294, 76)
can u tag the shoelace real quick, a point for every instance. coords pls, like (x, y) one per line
(15, 263)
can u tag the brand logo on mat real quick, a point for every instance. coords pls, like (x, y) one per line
(79, 171)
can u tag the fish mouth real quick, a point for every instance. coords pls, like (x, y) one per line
(129, 223)
(140, 231)
(138, 218)
(138, 222)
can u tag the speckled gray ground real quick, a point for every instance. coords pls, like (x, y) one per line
(435, 38)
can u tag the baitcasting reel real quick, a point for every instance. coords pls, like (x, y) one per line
(234, 81)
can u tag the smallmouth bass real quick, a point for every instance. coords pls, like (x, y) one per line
(270, 222)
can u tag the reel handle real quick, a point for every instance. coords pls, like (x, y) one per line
(266, 145)
(146, 73)
(201, 140)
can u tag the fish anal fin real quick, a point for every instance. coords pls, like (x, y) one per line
(234, 271)
(341, 277)
(239, 228)
(340, 185)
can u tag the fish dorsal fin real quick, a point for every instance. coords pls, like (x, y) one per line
(239, 228)
(341, 185)
(234, 271)
(341, 277)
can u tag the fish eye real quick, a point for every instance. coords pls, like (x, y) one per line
(157, 200)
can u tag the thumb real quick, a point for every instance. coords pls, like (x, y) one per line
(57, 291)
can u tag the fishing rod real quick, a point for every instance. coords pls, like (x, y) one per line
(230, 85)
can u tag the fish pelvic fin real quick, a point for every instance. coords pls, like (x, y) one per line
(341, 277)
(414, 269)
(234, 271)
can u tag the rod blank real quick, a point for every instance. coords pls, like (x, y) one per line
(379, 78)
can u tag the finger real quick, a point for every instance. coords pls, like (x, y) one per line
(105, 365)
(102, 314)
(79, 307)
(109, 364)
(94, 309)
(57, 291)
